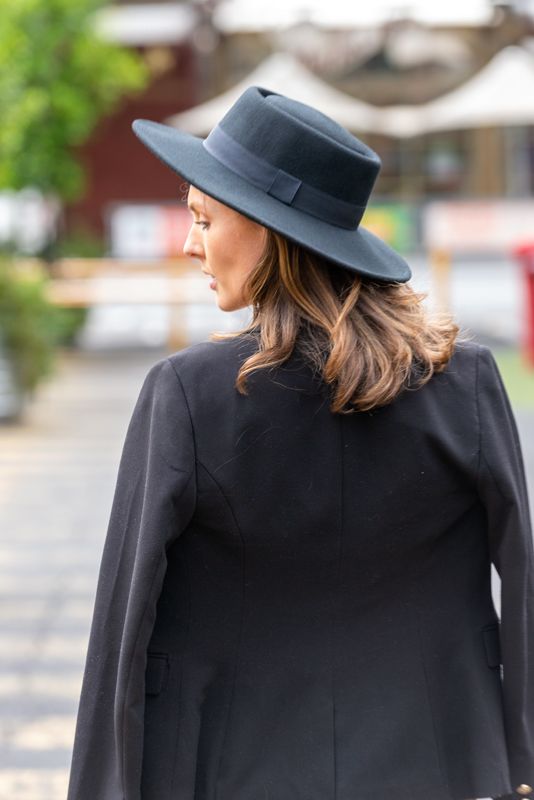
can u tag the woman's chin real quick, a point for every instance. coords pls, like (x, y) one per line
(228, 301)
(223, 303)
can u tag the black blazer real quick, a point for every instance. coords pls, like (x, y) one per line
(296, 605)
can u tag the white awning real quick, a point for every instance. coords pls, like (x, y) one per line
(146, 23)
(243, 15)
(282, 73)
(501, 93)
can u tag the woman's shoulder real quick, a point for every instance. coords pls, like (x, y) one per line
(212, 358)
(220, 359)
(466, 359)
(465, 355)
(459, 380)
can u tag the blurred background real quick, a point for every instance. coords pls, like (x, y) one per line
(94, 287)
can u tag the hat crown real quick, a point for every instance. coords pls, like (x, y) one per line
(288, 166)
(303, 142)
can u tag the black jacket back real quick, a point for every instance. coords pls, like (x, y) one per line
(296, 605)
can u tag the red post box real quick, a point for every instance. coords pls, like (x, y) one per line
(525, 253)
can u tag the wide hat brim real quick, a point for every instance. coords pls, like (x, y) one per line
(358, 250)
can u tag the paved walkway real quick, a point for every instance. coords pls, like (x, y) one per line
(57, 476)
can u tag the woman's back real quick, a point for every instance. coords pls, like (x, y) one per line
(326, 606)
(294, 599)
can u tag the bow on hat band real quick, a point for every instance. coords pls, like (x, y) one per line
(280, 184)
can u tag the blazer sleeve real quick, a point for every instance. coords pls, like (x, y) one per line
(153, 502)
(503, 491)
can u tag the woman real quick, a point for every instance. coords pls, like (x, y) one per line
(294, 600)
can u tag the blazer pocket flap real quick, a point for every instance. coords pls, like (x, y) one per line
(157, 668)
(492, 644)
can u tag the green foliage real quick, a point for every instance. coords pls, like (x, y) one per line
(57, 79)
(30, 326)
(518, 376)
(68, 323)
(80, 242)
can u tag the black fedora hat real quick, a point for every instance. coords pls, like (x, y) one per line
(291, 168)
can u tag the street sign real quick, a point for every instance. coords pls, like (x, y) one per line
(477, 226)
(148, 230)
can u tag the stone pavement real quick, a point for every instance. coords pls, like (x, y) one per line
(57, 476)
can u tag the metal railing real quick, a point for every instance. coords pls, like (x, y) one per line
(83, 282)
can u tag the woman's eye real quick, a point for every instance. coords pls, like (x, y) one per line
(204, 224)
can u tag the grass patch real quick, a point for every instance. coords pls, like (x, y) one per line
(517, 375)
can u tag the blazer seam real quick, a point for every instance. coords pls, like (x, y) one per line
(193, 437)
(477, 411)
(437, 742)
(337, 604)
(241, 622)
(129, 673)
(136, 641)
(481, 457)
(180, 687)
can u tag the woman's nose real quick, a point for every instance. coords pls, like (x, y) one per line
(192, 246)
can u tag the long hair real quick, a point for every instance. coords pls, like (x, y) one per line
(369, 340)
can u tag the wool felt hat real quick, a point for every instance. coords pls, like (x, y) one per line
(291, 168)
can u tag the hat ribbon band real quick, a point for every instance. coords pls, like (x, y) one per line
(281, 184)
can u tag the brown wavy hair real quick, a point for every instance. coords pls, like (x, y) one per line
(369, 340)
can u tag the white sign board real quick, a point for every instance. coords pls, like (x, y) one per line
(28, 219)
(478, 226)
(143, 230)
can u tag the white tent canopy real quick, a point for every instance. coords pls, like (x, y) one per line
(283, 73)
(234, 15)
(146, 23)
(501, 93)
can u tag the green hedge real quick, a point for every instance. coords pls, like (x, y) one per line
(31, 327)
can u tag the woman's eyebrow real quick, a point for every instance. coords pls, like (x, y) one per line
(194, 207)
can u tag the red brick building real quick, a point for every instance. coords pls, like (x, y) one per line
(118, 168)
